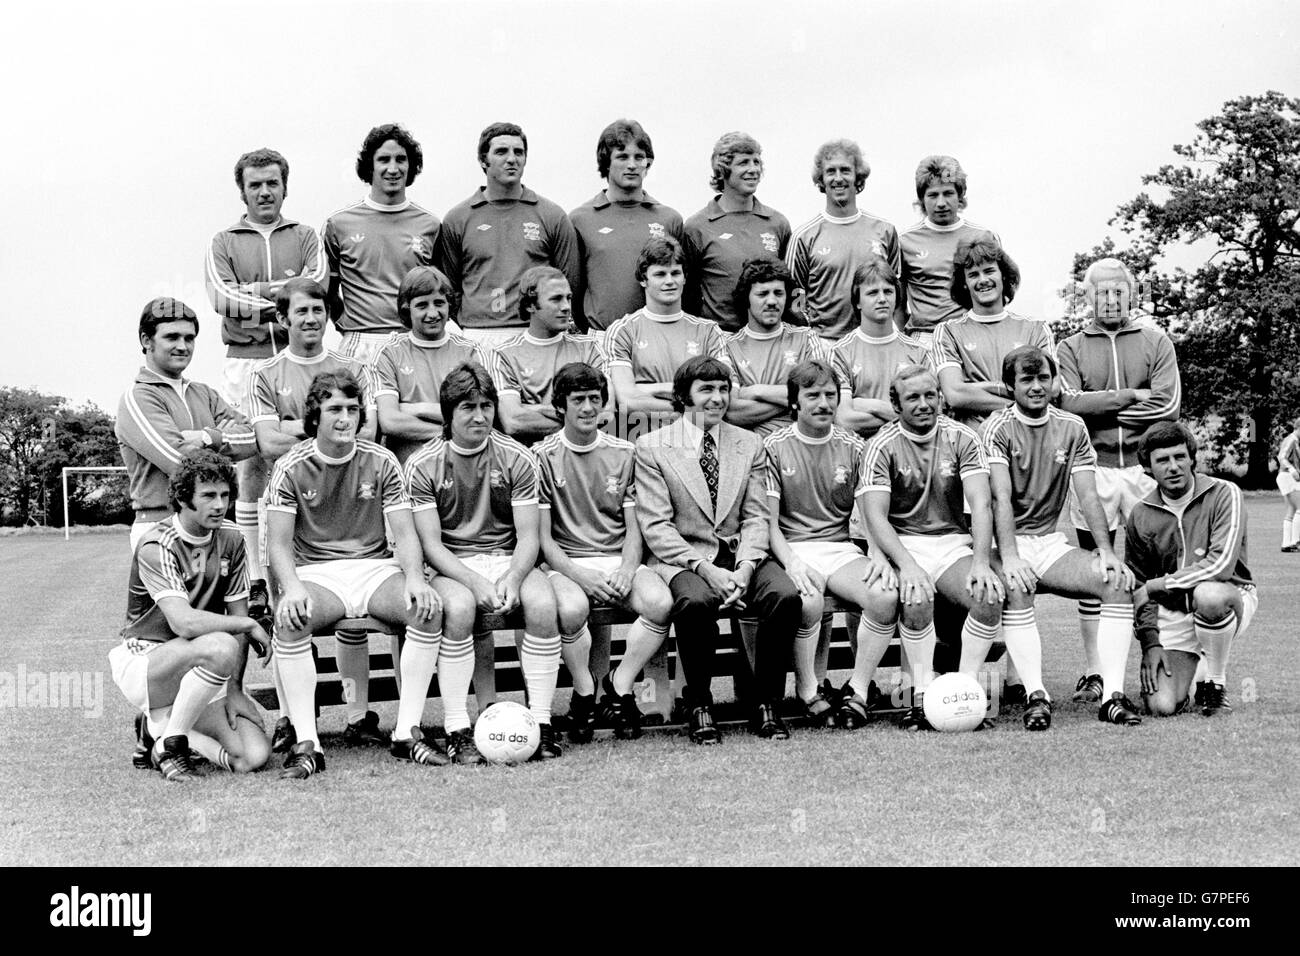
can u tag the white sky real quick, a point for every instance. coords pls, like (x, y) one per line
(123, 123)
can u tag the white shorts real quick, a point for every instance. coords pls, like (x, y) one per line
(237, 383)
(826, 557)
(494, 567)
(604, 563)
(138, 530)
(353, 581)
(1042, 550)
(937, 553)
(1285, 483)
(1178, 628)
(129, 663)
(1119, 490)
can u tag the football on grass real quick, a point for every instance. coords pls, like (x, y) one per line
(954, 703)
(506, 733)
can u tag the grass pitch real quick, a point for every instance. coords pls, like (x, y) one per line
(1186, 791)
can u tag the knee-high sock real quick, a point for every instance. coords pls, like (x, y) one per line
(976, 639)
(539, 659)
(419, 661)
(1114, 638)
(1024, 646)
(246, 525)
(455, 671)
(575, 648)
(873, 640)
(1089, 620)
(210, 748)
(1288, 533)
(196, 691)
(1216, 640)
(298, 674)
(157, 722)
(643, 639)
(918, 648)
(352, 651)
(805, 659)
(1295, 528)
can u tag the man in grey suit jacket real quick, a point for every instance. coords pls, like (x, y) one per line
(703, 512)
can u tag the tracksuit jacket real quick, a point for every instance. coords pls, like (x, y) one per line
(1208, 543)
(1095, 364)
(241, 255)
(150, 419)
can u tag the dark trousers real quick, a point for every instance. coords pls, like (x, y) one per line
(772, 598)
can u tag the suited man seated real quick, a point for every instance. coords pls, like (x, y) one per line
(703, 512)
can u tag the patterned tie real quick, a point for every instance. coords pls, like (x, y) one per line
(709, 465)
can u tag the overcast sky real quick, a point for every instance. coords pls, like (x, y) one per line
(124, 122)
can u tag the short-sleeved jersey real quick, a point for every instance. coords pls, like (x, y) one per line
(1042, 455)
(371, 248)
(207, 571)
(412, 370)
(977, 344)
(767, 358)
(717, 244)
(823, 255)
(924, 476)
(611, 236)
(488, 244)
(339, 504)
(525, 365)
(281, 384)
(474, 490)
(816, 480)
(927, 255)
(652, 346)
(867, 365)
(1290, 450)
(585, 489)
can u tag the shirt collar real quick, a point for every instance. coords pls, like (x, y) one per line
(404, 204)
(715, 211)
(243, 225)
(601, 201)
(919, 438)
(150, 377)
(574, 447)
(675, 317)
(809, 439)
(544, 343)
(764, 336)
(988, 319)
(430, 344)
(1026, 419)
(937, 228)
(303, 360)
(467, 452)
(315, 447)
(186, 536)
(883, 340)
(480, 198)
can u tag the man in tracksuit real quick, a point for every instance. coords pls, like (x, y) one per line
(1186, 545)
(1121, 377)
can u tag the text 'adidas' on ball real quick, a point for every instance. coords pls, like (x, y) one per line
(954, 703)
(506, 733)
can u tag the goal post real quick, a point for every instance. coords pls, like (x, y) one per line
(67, 529)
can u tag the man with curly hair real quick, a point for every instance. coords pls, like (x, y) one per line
(374, 242)
(733, 228)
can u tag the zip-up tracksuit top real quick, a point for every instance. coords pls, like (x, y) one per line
(240, 255)
(1208, 543)
(1096, 364)
(150, 419)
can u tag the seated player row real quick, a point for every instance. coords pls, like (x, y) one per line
(698, 501)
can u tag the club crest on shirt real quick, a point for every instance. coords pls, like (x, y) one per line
(656, 230)
(366, 490)
(1060, 456)
(225, 567)
(877, 248)
(611, 484)
(532, 231)
(789, 357)
(420, 246)
(692, 348)
(945, 467)
(495, 478)
(769, 241)
(841, 474)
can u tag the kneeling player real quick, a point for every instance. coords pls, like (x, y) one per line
(916, 473)
(813, 473)
(475, 498)
(1186, 543)
(185, 643)
(327, 502)
(1035, 453)
(592, 544)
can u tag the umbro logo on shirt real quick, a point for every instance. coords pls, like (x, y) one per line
(484, 227)
(725, 235)
(605, 231)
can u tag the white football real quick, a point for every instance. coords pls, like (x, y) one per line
(954, 703)
(506, 733)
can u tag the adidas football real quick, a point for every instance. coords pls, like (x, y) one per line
(954, 703)
(506, 733)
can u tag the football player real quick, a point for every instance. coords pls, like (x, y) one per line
(1288, 482)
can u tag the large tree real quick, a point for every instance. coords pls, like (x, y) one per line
(1234, 317)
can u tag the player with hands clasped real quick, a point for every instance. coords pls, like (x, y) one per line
(1036, 453)
(916, 473)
